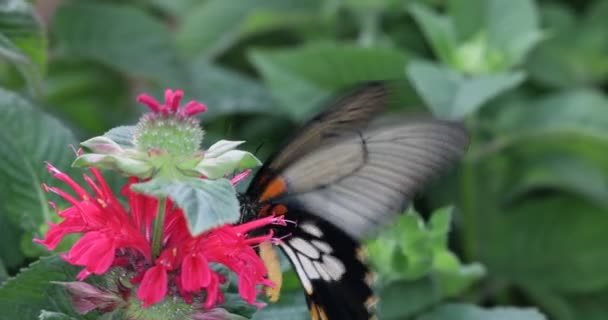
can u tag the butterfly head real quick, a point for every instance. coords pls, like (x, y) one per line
(249, 208)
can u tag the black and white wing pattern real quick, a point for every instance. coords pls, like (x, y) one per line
(339, 179)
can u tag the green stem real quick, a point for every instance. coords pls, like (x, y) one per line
(468, 186)
(469, 211)
(369, 24)
(159, 224)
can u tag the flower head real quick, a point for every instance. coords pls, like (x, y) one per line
(169, 128)
(166, 142)
(148, 241)
(117, 236)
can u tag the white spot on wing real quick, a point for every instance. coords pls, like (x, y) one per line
(323, 246)
(304, 247)
(311, 229)
(334, 267)
(299, 270)
(308, 267)
(321, 269)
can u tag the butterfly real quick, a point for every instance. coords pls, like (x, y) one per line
(340, 178)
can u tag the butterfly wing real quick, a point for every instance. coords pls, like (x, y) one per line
(339, 180)
(349, 113)
(365, 179)
(331, 268)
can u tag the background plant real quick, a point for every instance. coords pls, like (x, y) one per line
(529, 218)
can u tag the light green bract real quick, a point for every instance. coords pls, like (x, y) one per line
(165, 151)
(206, 203)
(221, 159)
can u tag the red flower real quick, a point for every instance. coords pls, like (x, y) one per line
(172, 99)
(119, 236)
(153, 287)
(108, 228)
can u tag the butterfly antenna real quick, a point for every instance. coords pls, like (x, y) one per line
(227, 126)
(255, 153)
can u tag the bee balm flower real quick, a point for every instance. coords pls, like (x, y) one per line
(148, 240)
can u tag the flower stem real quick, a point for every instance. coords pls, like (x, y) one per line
(469, 210)
(159, 223)
(469, 203)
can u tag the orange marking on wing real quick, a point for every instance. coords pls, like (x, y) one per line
(276, 187)
(279, 210)
(322, 314)
(264, 179)
(317, 312)
(314, 312)
(264, 210)
(273, 266)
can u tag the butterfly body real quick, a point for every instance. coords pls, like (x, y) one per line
(339, 179)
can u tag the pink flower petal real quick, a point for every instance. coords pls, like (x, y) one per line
(153, 287)
(196, 273)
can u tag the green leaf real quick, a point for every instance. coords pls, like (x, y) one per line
(287, 15)
(570, 173)
(415, 265)
(481, 37)
(438, 30)
(291, 305)
(233, 302)
(419, 294)
(467, 17)
(10, 234)
(471, 312)
(29, 138)
(452, 95)
(206, 203)
(22, 41)
(31, 291)
(513, 28)
(214, 26)
(452, 277)
(10, 52)
(440, 225)
(561, 233)
(589, 306)
(301, 78)
(3, 273)
(576, 53)
(123, 37)
(411, 250)
(568, 121)
(577, 110)
(88, 95)
(218, 88)
(404, 250)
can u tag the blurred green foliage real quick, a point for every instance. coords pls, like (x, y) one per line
(529, 224)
